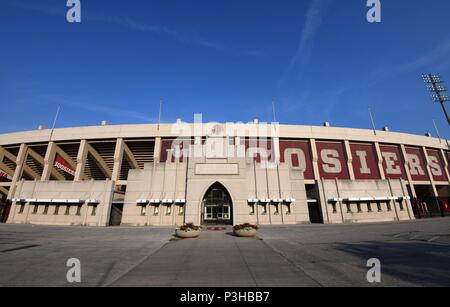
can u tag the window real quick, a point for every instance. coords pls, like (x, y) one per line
(388, 205)
(156, 210)
(264, 209)
(67, 210)
(369, 207)
(334, 207)
(401, 205)
(288, 209)
(46, 209)
(358, 206)
(94, 210)
(349, 208)
(78, 210)
(56, 210)
(181, 210)
(143, 210)
(379, 206)
(252, 209)
(169, 210)
(35, 209)
(277, 210)
(22, 208)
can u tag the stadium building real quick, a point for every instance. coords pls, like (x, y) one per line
(170, 174)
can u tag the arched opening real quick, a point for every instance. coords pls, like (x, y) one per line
(217, 206)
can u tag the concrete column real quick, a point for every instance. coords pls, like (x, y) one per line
(393, 201)
(380, 161)
(107, 203)
(348, 153)
(323, 201)
(276, 149)
(444, 159)
(315, 160)
(430, 176)
(20, 162)
(49, 160)
(81, 160)
(340, 202)
(13, 210)
(157, 150)
(2, 154)
(118, 158)
(407, 170)
(408, 202)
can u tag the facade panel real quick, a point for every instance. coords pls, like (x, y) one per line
(364, 161)
(332, 160)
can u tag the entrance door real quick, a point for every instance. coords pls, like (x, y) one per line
(217, 206)
(116, 214)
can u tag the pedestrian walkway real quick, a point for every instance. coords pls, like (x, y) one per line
(216, 258)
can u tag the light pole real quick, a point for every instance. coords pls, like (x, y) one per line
(434, 85)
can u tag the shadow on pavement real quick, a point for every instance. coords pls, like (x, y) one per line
(418, 263)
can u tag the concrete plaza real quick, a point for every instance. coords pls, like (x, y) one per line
(413, 253)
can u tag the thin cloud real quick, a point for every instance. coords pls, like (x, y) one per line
(303, 52)
(190, 38)
(83, 103)
(437, 56)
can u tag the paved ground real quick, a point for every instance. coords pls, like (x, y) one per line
(411, 253)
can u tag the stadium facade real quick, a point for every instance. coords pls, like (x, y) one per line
(168, 175)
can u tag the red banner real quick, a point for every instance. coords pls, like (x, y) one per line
(332, 161)
(364, 161)
(393, 163)
(436, 165)
(298, 155)
(417, 164)
(62, 164)
(4, 175)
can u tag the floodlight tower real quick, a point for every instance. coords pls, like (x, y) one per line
(434, 85)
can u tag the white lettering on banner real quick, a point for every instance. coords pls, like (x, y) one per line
(362, 155)
(391, 168)
(289, 152)
(435, 166)
(414, 165)
(60, 164)
(5, 175)
(330, 158)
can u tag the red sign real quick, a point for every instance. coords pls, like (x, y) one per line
(364, 163)
(417, 164)
(174, 149)
(62, 164)
(259, 147)
(393, 164)
(4, 175)
(436, 165)
(332, 161)
(298, 155)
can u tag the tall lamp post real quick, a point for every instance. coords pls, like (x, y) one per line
(434, 85)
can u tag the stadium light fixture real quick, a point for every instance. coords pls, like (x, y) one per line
(434, 85)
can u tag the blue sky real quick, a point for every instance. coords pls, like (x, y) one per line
(319, 59)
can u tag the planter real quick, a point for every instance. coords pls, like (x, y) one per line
(246, 232)
(187, 234)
